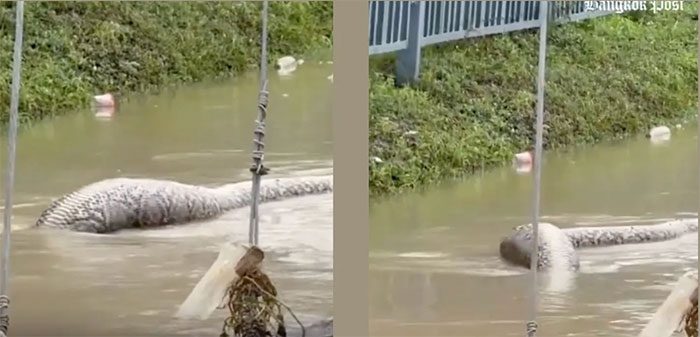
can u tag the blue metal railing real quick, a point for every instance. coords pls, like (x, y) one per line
(407, 26)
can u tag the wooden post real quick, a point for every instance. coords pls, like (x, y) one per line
(408, 60)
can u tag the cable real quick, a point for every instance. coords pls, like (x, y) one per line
(10, 170)
(534, 258)
(258, 169)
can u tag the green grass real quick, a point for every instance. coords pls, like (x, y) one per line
(473, 108)
(74, 50)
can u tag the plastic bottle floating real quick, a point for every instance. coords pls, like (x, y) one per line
(287, 65)
(659, 134)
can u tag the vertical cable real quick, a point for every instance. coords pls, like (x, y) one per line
(258, 169)
(532, 323)
(10, 169)
(698, 121)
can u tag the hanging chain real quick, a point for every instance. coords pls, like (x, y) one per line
(532, 323)
(10, 170)
(257, 168)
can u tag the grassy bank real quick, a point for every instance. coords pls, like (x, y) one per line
(473, 108)
(73, 50)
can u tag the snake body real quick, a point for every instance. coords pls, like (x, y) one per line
(557, 247)
(118, 203)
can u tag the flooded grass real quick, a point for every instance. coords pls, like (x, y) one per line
(144, 46)
(473, 108)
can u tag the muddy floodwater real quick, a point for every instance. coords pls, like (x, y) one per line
(131, 282)
(434, 265)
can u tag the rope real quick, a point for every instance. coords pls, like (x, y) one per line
(532, 324)
(257, 168)
(10, 171)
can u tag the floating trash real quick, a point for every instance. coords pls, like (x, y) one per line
(679, 307)
(330, 78)
(287, 64)
(523, 158)
(105, 100)
(253, 307)
(523, 162)
(659, 134)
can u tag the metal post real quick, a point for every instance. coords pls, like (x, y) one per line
(408, 60)
(541, 66)
(698, 121)
(258, 169)
(10, 169)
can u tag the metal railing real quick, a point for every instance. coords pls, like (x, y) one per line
(405, 27)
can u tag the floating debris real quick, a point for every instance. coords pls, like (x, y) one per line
(330, 78)
(659, 134)
(212, 287)
(285, 95)
(523, 162)
(523, 158)
(691, 318)
(676, 310)
(105, 100)
(287, 64)
(254, 308)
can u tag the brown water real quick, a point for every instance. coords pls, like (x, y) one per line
(434, 265)
(131, 283)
